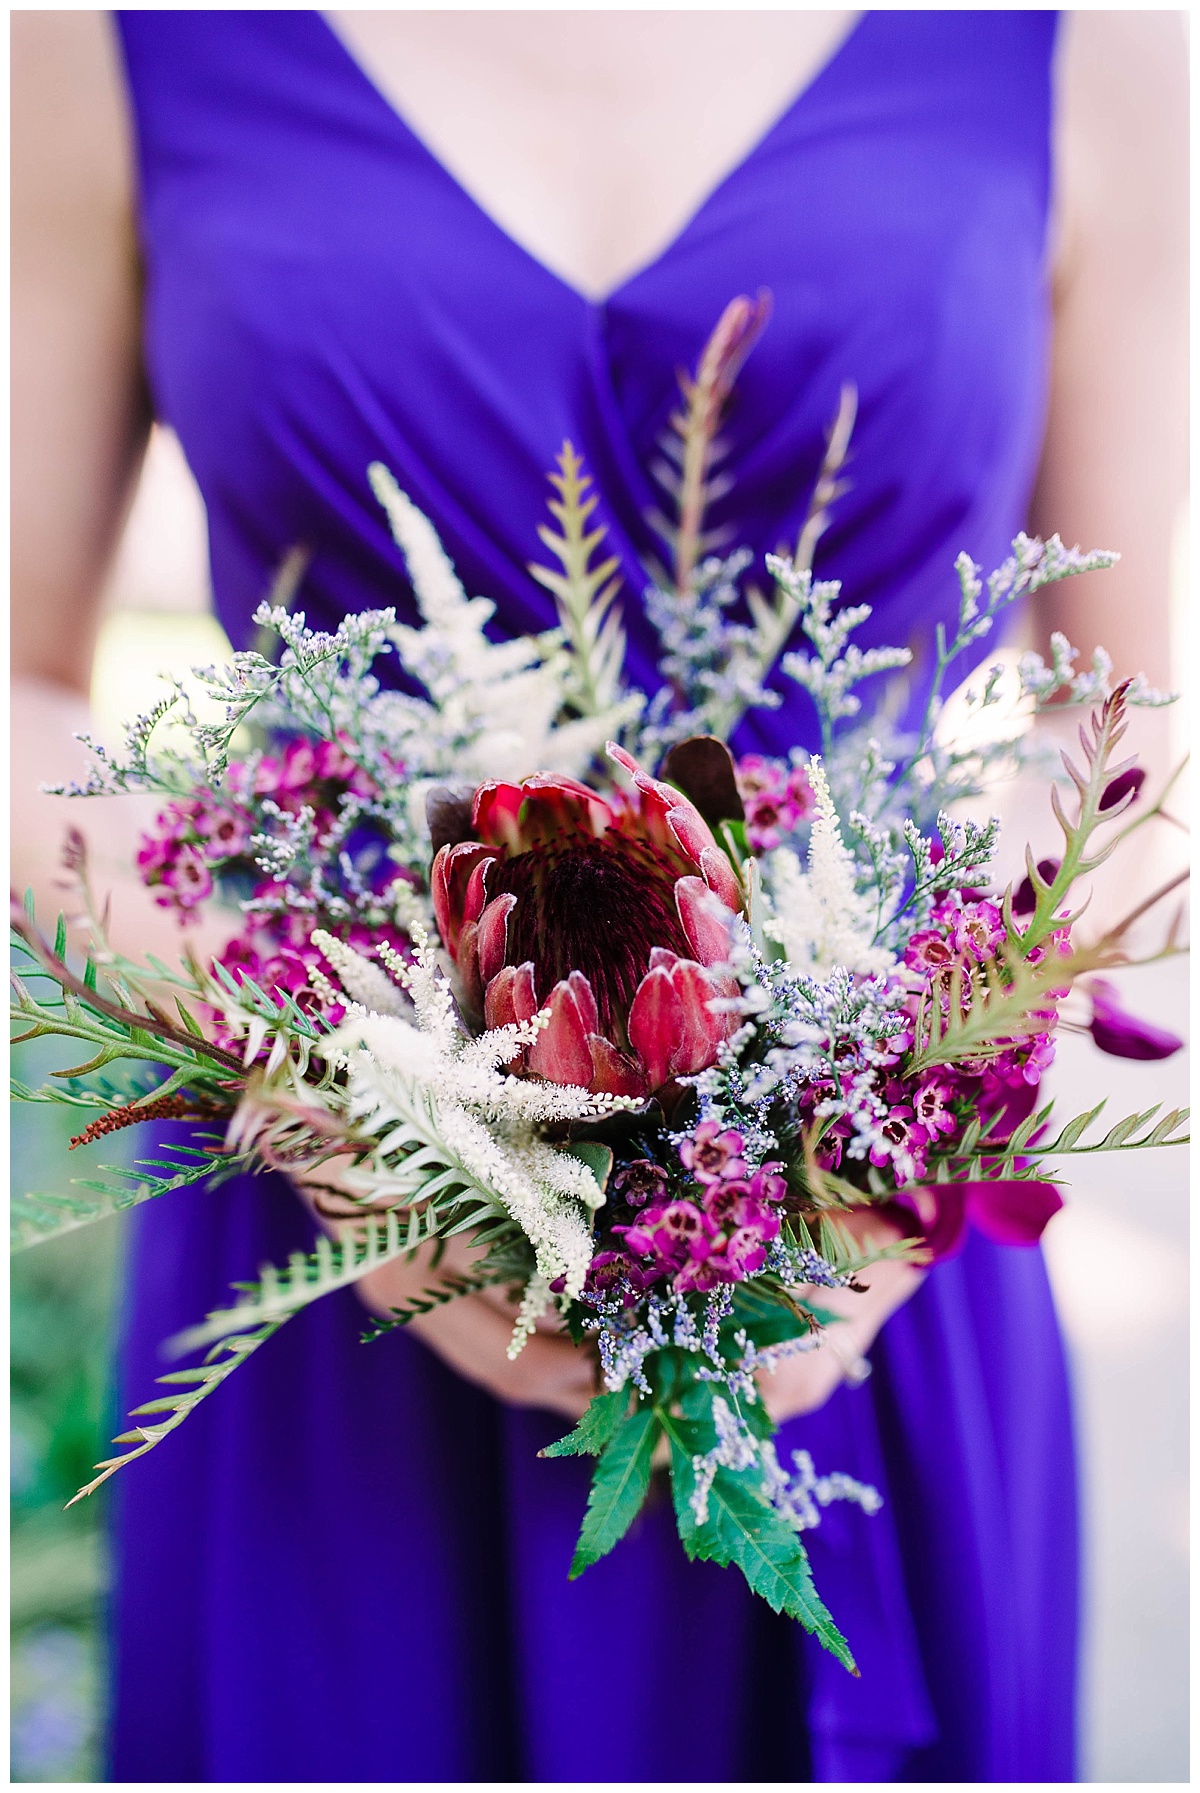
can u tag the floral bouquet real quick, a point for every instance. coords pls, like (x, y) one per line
(525, 957)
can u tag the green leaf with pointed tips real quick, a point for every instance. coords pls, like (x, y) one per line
(597, 1427)
(619, 1484)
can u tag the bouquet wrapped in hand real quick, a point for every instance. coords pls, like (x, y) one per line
(520, 956)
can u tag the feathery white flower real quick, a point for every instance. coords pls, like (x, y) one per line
(495, 701)
(436, 1100)
(820, 918)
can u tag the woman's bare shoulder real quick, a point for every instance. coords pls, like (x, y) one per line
(1121, 132)
(70, 125)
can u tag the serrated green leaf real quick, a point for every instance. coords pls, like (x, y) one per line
(743, 1532)
(596, 1429)
(619, 1483)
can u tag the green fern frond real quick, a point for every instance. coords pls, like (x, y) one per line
(195, 1386)
(34, 1218)
(584, 594)
(307, 1276)
(958, 1019)
(1132, 1134)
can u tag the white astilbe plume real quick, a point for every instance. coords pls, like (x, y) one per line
(819, 917)
(495, 702)
(363, 981)
(422, 1086)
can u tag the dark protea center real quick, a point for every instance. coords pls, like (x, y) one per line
(613, 916)
(598, 908)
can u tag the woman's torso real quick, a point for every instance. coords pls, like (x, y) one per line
(321, 293)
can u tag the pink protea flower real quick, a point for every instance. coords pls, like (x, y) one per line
(609, 912)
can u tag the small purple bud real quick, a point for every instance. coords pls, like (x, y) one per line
(1024, 897)
(1118, 1032)
(1123, 785)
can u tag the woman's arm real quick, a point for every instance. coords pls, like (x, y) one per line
(79, 428)
(1114, 470)
(80, 420)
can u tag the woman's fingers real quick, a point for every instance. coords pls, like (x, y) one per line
(805, 1381)
(473, 1338)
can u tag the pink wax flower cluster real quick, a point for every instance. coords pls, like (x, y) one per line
(916, 1117)
(196, 837)
(776, 798)
(718, 1234)
(308, 773)
(193, 836)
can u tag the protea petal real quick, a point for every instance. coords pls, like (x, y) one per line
(539, 810)
(492, 935)
(585, 1001)
(511, 996)
(467, 961)
(703, 1030)
(475, 896)
(451, 874)
(689, 827)
(561, 1053)
(613, 1074)
(656, 1025)
(705, 920)
(719, 876)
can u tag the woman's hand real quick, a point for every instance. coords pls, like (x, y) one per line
(802, 1383)
(472, 1332)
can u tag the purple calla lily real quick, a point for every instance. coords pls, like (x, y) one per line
(1123, 1035)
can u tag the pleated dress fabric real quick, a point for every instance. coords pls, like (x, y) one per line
(349, 1564)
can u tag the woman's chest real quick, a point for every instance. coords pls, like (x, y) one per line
(591, 137)
(324, 292)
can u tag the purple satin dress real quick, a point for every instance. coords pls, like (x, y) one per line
(350, 1565)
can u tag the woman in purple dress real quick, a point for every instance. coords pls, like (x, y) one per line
(307, 244)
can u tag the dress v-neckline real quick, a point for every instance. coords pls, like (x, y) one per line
(370, 86)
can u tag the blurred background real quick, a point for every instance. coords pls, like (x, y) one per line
(1118, 1256)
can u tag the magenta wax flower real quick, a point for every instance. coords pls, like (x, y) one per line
(711, 1154)
(929, 952)
(977, 930)
(931, 1106)
(1123, 1035)
(902, 1144)
(187, 878)
(640, 1182)
(776, 798)
(612, 913)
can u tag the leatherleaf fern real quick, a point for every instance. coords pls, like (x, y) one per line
(421, 1136)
